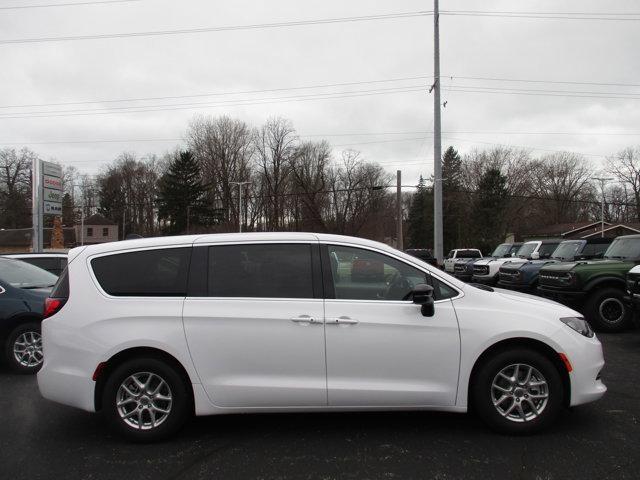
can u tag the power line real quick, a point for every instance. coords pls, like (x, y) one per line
(48, 5)
(567, 82)
(256, 26)
(543, 15)
(231, 103)
(540, 93)
(239, 92)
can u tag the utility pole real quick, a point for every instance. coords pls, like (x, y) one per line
(36, 205)
(603, 181)
(437, 147)
(399, 241)
(240, 184)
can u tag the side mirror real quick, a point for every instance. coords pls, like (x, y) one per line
(535, 256)
(422, 294)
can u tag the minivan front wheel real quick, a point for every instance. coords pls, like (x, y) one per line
(145, 399)
(517, 391)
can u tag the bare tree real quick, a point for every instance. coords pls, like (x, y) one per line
(15, 186)
(625, 165)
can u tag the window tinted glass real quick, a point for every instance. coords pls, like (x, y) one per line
(547, 248)
(145, 273)
(594, 248)
(468, 254)
(24, 275)
(51, 264)
(270, 270)
(442, 291)
(365, 275)
(61, 289)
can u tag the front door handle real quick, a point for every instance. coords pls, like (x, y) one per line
(305, 319)
(343, 320)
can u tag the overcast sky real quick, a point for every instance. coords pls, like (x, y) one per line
(393, 129)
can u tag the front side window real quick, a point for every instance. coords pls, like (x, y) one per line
(546, 249)
(145, 273)
(468, 254)
(261, 271)
(359, 274)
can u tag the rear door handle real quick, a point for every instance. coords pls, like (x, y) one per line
(305, 319)
(344, 320)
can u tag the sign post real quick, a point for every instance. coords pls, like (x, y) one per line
(47, 197)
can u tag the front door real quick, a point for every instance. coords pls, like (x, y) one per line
(381, 351)
(257, 339)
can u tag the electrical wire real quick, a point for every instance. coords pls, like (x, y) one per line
(48, 5)
(256, 26)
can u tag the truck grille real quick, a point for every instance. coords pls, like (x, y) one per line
(481, 269)
(554, 279)
(509, 275)
(460, 268)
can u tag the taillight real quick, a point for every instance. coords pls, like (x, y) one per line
(52, 306)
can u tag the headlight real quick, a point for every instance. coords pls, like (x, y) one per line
(580, 325)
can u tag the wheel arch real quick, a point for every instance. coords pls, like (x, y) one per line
(605, 282)
(519, 342)
(16, 320)
(134, 352)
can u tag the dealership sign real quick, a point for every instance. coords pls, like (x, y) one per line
(51, 188)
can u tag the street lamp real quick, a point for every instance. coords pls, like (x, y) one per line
(240, 184)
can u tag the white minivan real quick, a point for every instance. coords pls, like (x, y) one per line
(152, 331)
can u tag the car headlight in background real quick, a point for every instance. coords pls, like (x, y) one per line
(580, 325)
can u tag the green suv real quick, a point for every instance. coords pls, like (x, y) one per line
(595, 287)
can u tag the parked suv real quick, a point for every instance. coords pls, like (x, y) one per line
(424, 254)
(23, 290)
(149, 331)
(457, 254)
(595, 287)
(486, 271)
(51, 262)
(463, 268)
(524, 276)
(633, 293)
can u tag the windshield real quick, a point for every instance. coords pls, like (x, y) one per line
(567, 250)
(527, 249)
(501, 250)
(24, 275)
(624, 249)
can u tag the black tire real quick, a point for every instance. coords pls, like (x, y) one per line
(180, 407)
(607, 311)
(482, 392)
(32, 331)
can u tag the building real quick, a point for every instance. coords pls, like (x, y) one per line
(581, 230)
(96, 229)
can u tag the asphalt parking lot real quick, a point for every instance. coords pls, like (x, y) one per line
(40, 439)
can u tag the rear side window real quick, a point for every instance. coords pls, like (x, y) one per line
(61, 288)
(261, 271)
(146, 273)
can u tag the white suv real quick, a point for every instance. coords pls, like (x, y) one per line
(455, 255)
(151, 331)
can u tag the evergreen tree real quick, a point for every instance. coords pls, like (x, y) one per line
(420, 218)
(489, 207)
(181, 194)
(68, 211)
(452, 199)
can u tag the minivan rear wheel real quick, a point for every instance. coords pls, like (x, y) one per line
(23, 348)
(517, 391)
(146, 400)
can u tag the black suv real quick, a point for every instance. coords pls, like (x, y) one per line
(23, 290)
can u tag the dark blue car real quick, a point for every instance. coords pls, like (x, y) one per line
(524, 276)
(23, 290)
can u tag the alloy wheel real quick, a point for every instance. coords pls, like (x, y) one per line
(27, 349)
(611, 310)
(519, 393)
(144, 400)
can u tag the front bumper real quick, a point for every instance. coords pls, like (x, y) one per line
(587, 360)
(485, 279)
(567, 297)
(633, 301)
